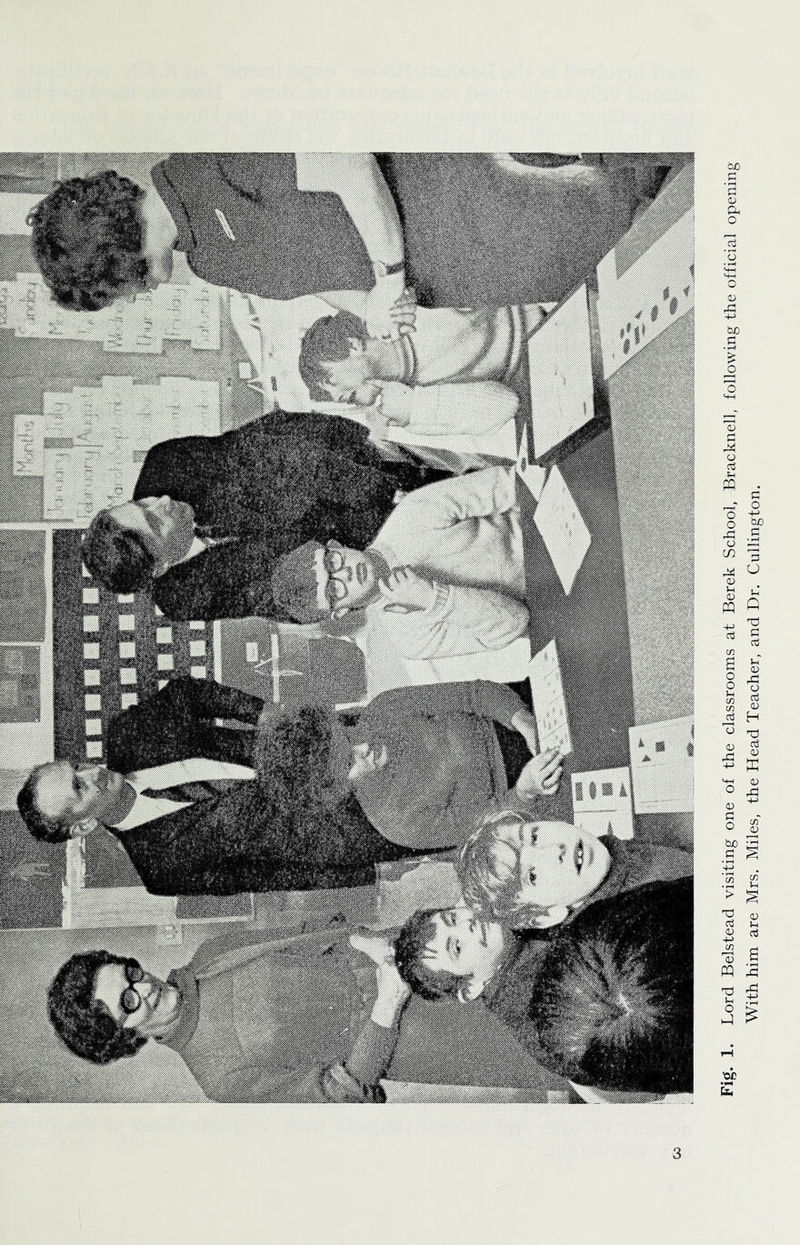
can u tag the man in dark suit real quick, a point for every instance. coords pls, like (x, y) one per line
(210, 515)
(182, 797)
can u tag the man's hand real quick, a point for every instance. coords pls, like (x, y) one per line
(541, 776)
(406, 591)
(390, 308)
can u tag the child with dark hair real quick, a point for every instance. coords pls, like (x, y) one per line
(448, 379)
(605, 1002)
(608, 1002)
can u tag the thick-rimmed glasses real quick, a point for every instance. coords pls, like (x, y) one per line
(130, 1000)
(333, 562)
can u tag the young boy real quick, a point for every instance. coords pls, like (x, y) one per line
(444, 576)
(534, 874)
(607, 1002)
(447, 378)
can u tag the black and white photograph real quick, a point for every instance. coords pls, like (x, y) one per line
(347, 655)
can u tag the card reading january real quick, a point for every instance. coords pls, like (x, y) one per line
(602, 801)
(549, 705)
(662, 766)
(561, 386)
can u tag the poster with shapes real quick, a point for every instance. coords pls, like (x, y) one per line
(662, 766)
(565, 535)
(22, 585)
(532, 476)
(560, 362)
(633, 309)
(20, 698)
(549, 704)
(602, 801)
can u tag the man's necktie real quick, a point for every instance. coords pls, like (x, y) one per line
(207, 789)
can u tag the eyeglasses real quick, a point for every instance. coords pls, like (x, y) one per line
(130, 1000)
(333, 561)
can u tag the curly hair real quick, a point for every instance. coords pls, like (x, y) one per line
(488, 870)
(116, 557)
(327, 341)
(83, 1023)
(613, 1006)
(409, 954)
(87, 240)
(46, 829)
(294, 583)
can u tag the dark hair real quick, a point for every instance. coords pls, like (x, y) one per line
(409, 955)
(294, 583)
(47, 829)
(327, 341)
(87, 240)
(302, 757)
(116, 557)
(613, 1006)
(83, 1023)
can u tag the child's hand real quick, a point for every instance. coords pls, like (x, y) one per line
(524, 722)
(541, 776)
(406, 591)
(394, 402)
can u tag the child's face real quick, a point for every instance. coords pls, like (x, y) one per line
(464, 944)
(559, 864)
(346, 579)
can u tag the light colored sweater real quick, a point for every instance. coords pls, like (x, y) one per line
(464, 531)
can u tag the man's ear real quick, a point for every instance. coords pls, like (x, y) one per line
(356, 345)
(82, 828)
(472, 989)
(550, 917)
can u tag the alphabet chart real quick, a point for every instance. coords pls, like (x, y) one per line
(602, 801)
(560, 358)
(566, 536)
(549, 705)
(653, 293)
(662, 765)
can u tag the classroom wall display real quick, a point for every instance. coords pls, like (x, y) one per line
(22, 588)
(20, 692)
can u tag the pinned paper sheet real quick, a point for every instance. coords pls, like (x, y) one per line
(662, 765)
(566, 536)
(653, 293)
(602, 801)
(549, 705)
(561, 385)
(533, 477)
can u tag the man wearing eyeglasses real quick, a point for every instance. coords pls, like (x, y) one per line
(311, 1017)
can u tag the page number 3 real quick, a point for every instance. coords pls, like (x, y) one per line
(676, 1152)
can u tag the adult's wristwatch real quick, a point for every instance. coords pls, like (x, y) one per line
(386, 270)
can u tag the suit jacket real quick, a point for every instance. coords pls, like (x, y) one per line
(281, 1019)
(272, 484)
(253, 837)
